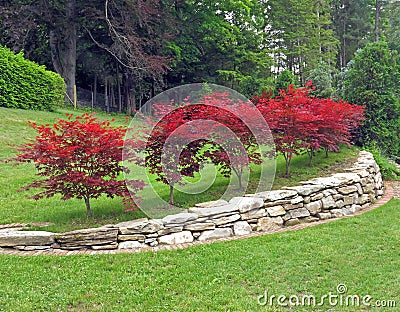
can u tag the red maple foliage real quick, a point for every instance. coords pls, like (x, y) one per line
(237, 134)
(301, 123)
(78, 158)
(174, 144)
(217, 128)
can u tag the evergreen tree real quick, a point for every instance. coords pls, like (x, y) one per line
(284, 79)
(321, 78)
(353, 24)
(391, 24)
(301, 34)
(373, 80)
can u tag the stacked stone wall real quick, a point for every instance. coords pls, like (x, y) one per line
(339, 195)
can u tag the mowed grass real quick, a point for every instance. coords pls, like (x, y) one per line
(68, 215)
(18, 207)
(362, 252)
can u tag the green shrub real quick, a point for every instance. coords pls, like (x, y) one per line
(388, 168)
(24, 84)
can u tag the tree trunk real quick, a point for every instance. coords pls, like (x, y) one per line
(106, 94)
(112, 95)
(377, 14)
(95, 90)
(310, 156)
(88, 211)
(240, 180)
(239, 174)
(344, 61)
(62, 42)
(130, 96)
(171, 194)
(119, 90)
(288, 159)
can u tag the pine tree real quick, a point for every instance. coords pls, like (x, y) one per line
(302, 34)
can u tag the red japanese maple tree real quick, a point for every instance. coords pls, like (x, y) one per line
(301, 123)
(78, 158)
(233, 144)
(217, 128)
(172, 148)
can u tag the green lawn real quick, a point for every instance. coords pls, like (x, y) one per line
(362, 253)
(68, 215)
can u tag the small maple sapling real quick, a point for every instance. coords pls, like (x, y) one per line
(78, 158)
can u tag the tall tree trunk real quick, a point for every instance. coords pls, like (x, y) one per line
(377, 16)
(112, 95)
(95, 90)
(106, 94)
(119, 89)
(63, 48)
(130, 95)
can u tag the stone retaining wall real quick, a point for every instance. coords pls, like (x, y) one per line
(339, 195)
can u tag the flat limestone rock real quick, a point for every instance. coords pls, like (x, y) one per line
(132, 237)
(269, 224)
(226, 220)
(271, 196)
(169, 230)
(254, 214)
(324, 215)
(141, 226)
(88, 237)
(349, 177)
(335, 180)
(129, 223)
(299, 213)
(246, 204)
(275, 211)
(32, 248)
(176, 238)
(348, 189)
(131, 245)
(206, 212)
(202, 226)
(26, 238)
(314, 207)
(214, 234)
(105, 247)
(241, 228)
(213, 203)
(180, 218)
(328, 202)
(306, 189)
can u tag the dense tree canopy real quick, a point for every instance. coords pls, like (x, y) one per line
(124, 52)
(373, 80)
(120, 53)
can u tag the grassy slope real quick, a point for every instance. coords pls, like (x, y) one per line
(67, 215)
(361, 252)
(16, 207)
